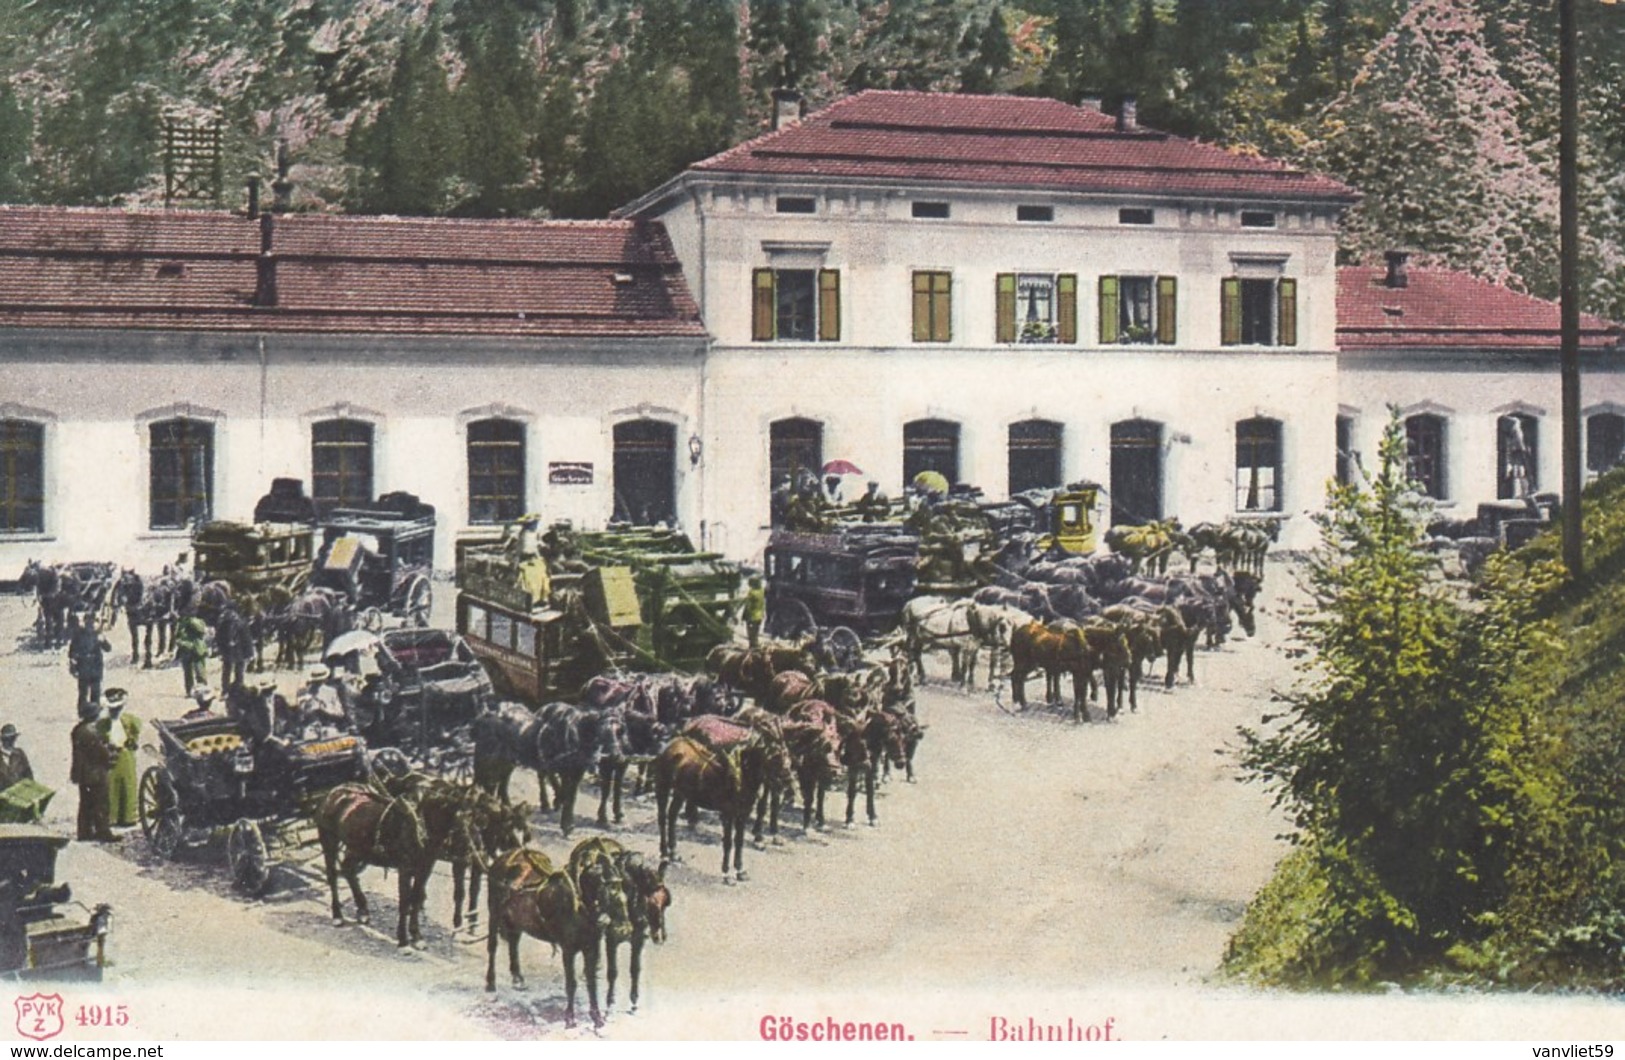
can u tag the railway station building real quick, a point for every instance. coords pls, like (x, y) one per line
(1014, 292)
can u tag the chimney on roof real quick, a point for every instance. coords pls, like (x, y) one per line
(282, 187)
(253, 198)
(788, 108)
(265, 265)
(1128, 118)
(1091, 103)
(1396, 268)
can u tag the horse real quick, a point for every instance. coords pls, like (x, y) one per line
(723, 734)
(647, 899)
(575, 913)
(812, 736)
(641, 735)
(991, 625)
(786, 690)
(52, 601)
(687, 770)
(866, 741)
(1148, 546)
(570, 742)
(505, 737)
(934, 623)
(1078, 650)
(361, 824)
(148, 606)
(490, 830)
(748, 672)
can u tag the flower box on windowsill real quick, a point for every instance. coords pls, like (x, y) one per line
(1036, 331)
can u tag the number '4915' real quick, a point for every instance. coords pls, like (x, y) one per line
(102, 1015)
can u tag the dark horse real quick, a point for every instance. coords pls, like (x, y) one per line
(362, 825)
(149, 610)
(688, 771)
(647, 899)
(559, 739)
(575, 913)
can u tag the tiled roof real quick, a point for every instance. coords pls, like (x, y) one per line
(1441, 308)
(1009, 141)
(82, 268)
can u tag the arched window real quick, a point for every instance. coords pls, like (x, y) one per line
(1517, 464)
(1035, 455)
(1136, 467)
(1605, 442)
(340, 464)
(931, 445)
(1258, 465)
(496, 470)
(794, 444)
(1425, 453)
(181, 481)
(646, 472)
(22, 477)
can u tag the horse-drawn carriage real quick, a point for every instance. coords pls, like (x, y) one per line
(254, 559)
(858, 577)
(418, 686)
(65, 591)
(543, 633)
(38, 939)
(214, 776)
(381, 557)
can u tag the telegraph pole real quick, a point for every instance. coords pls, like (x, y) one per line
(1569, 280)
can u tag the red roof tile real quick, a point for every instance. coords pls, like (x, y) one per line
(1444, 308)
(75, 268)
(1009, 141)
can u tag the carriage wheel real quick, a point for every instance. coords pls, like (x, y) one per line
(162, 821)
(846, 647)
(790, 619)
(371, 620)
(248, 857)
(419, 602)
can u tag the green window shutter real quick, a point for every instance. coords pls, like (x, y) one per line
(922, 307)
(762, 306)
(1287, 330)
(829, 305)
(1230, 312)
(1004, 328)
(1167, 310)
(1109, 310)
(1066, 308)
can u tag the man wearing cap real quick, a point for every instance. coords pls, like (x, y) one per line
(320, 702)
(755, 609)
(192, 651)
(86, 653)
(122, 732)
(92, 759)
(13, 763)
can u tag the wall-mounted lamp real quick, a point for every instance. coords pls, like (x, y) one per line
(694, 449)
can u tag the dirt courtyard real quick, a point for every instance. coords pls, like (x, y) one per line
(1038, 869)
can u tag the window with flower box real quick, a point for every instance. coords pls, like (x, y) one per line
(1036, 307)
(1139, 309)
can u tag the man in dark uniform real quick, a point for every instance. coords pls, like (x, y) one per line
(92, 762)
(86, 652)
(235, 641)
(13, 763)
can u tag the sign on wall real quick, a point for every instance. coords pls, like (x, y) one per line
(569, 473)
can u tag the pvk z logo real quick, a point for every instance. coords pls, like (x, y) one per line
(39, 1016)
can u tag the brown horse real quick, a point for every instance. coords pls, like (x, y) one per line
(689, 771)
(867, 740)
(575, 913)
(358, 824)
(813, 737)
(647, 899)
(723, 734)
(1075, 650)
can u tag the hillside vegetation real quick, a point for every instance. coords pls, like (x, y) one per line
(1443, 112)
(1452, 762)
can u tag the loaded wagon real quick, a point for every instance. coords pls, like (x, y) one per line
(542, 635)
(43, 933)
(381, 557)
(215, 777)
(254, 559)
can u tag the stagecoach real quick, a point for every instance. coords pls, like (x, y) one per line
(418, 686)
(381, 557)
(254, 558)
(43, 933)
(214, 778)
(858, 577)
